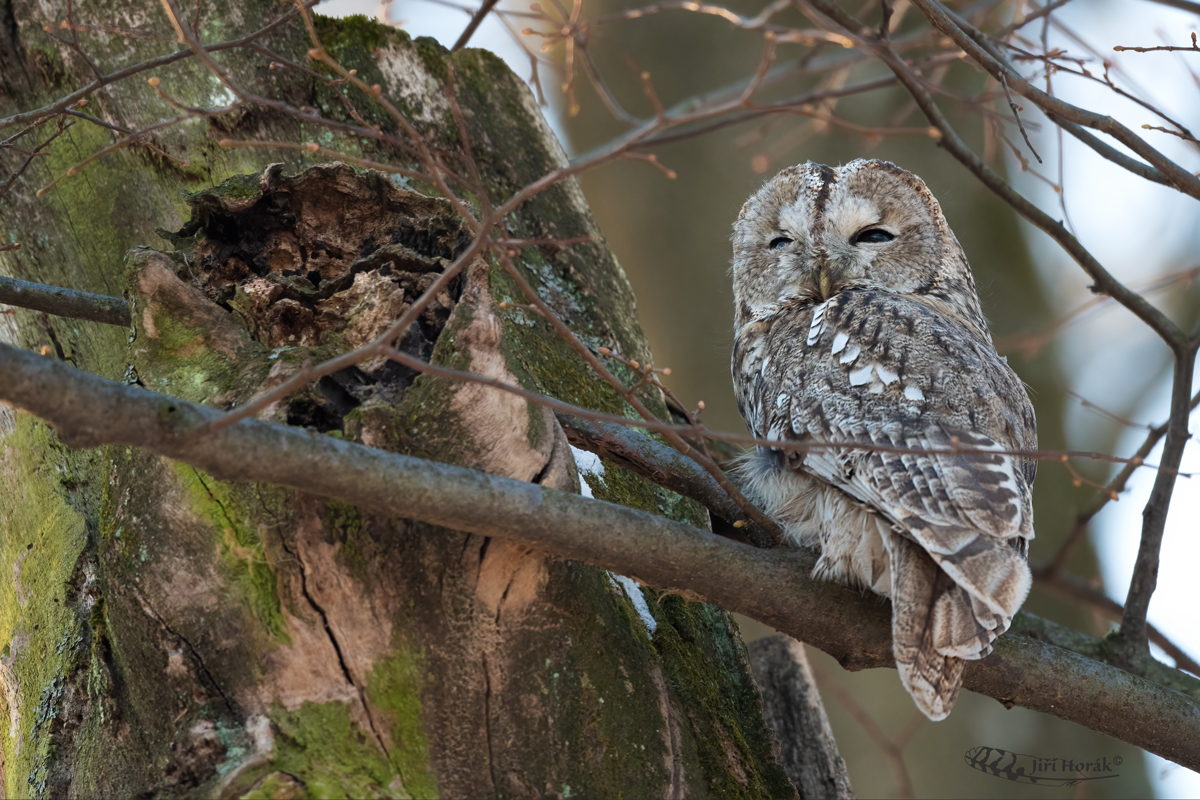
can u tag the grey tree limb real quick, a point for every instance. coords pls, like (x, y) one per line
(664, 465)
(772, 586)
(792, 708)
(1183, 5)
(64, 302)
(669, 468)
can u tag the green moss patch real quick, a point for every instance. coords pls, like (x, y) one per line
(222, 506)
(45, 537)
(321, 746)
(394, 686)
(733, 743)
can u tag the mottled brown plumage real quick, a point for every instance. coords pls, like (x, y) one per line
(857, 322)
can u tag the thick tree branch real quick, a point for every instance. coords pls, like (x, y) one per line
(1075, 588)
(1108, 151)
(99, 305)
(64, 302)
(771, 586)
(664, 465)
(1185, 5)
(667, 467)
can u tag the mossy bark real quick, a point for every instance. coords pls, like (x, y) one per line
(167, 634)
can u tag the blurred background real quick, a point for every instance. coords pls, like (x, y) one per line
(1097, 376)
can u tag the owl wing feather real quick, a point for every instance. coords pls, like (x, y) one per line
(955, 507)
(921, 393)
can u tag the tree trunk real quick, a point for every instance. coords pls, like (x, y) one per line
(168, 634)
(809, 754)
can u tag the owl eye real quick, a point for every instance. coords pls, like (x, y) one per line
(780, 242)
(873, 236)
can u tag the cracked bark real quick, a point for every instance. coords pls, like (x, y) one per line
(359, 655)
(196, 655)
(333, 641)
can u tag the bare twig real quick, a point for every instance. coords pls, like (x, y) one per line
(980, 51)
(1031, 344)
(774, 535)
(40, 150)
(472, 26)
(1082, 72)
(1104, 280)
(1110, 493)
(74, 97)
(382, 346)
(135, 138)
(1028, 18)
(1017, 116)
(1195, 48)
(1185, 136)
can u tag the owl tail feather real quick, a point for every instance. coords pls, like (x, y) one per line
(922, 594)
(994, 573)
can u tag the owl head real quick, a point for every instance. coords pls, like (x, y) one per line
(813, 231)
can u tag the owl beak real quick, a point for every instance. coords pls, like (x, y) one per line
(822, 276)
(824, 283)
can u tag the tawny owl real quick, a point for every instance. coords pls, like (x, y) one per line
(856, 323)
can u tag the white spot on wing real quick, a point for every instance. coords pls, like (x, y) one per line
(851, 353)
(914, 393)
(860, 376)
(839, 342)
(885, 374)
(817, 327)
